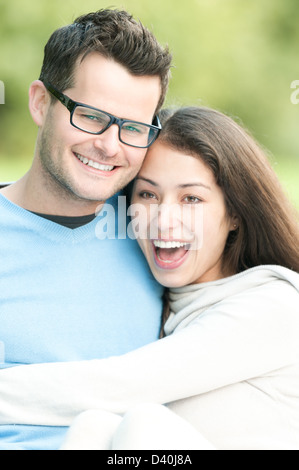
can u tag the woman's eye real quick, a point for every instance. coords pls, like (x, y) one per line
(146, 195)
(192, 200)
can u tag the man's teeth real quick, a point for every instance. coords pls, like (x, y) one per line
(164, 244)
(93, 164)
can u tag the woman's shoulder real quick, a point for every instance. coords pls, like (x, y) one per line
(271, 271)
(263, 292)
(269, 297)
(271, 283)
(257, 279)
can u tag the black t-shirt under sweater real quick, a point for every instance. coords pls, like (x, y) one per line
(69, 222)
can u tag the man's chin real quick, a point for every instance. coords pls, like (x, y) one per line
(98, 195)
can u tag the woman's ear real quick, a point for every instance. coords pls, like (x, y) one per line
(39, 101)
(235, 222)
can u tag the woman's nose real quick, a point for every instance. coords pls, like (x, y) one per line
(168, 220)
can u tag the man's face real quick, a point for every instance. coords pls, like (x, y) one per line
(108, 164)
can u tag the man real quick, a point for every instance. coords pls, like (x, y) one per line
(64, 294)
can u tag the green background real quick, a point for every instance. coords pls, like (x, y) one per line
(238, 56)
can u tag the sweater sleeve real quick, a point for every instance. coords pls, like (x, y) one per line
(243, 337)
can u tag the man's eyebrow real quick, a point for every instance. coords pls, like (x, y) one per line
(186, 185)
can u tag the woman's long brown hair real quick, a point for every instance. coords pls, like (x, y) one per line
(268, 229)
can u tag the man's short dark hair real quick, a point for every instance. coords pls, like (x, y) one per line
(115, 35)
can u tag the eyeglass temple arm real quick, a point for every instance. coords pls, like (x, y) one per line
(67, 102)
(157, 122)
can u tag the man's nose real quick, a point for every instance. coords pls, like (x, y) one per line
(109, 142)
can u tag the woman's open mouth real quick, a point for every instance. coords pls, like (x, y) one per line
(170, 254)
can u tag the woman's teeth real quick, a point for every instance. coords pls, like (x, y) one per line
(170, 253)
(169, 244)
(93, 164)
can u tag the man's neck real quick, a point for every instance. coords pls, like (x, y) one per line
(33, 197)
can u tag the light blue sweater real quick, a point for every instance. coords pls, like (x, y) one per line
(66, 295)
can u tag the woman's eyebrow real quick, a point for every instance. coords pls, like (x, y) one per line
(147, 180)
(185, 185)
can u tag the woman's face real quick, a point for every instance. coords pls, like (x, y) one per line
(179, 217)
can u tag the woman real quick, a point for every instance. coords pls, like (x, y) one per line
(217, 230)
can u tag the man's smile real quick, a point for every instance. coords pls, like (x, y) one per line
(93, 164)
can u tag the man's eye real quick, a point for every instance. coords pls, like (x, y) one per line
(92, 117)
(134, 129)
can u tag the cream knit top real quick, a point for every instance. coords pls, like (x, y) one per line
(229, 365)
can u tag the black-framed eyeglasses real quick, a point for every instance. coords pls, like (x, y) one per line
(95, 121)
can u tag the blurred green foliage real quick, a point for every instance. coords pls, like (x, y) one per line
(239, 56)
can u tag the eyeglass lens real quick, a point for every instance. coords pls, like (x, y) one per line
(94, 121)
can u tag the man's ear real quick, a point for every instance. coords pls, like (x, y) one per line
(39, 102)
